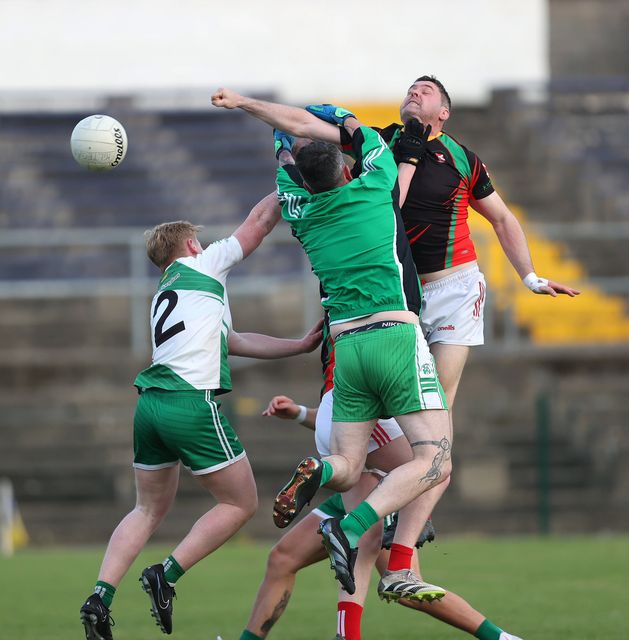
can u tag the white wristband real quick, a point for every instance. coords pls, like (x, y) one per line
(303, 412)
(534, 282)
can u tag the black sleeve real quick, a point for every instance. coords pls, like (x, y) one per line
(294, 175)
(358, 139)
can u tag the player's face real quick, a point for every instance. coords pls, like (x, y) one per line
(422, 101)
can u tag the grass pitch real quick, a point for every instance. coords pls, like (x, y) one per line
(538, 588)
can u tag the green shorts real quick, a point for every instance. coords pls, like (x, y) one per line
(186, 426)
(384, 372)
(333, 507)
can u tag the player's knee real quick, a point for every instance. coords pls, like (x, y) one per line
(446, 471)
(446, 481)
(249, 504)
(437, 467)
(442, 474)
(245, 505)
(281, 559)
(352, 475)
(153, 513)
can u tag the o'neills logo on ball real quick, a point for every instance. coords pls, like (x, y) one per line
(119, 147)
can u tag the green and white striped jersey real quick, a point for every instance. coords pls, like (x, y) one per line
(354, 235)
(191, 321)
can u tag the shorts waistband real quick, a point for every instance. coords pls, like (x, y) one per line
(382, 324)
(454, 277)
(207, 394)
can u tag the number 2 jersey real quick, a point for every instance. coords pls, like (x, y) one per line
(191, 321)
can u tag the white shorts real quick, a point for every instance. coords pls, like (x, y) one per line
(383, 433)
(452, 308)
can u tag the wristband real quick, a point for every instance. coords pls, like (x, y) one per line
(303, 413)
(534, 282)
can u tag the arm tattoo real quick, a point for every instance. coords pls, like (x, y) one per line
(277, 612)
(434, 473)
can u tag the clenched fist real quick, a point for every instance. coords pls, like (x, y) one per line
(227, 99)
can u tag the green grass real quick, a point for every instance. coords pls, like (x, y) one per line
(545, 589)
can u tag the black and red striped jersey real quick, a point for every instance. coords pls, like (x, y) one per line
(436, 208)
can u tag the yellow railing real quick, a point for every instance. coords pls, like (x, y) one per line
(593, 317)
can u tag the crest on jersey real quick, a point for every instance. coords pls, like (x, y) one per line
(440, 157)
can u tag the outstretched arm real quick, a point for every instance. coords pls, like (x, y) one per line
(258, 224)
(516, 248)
(287, 409)
(259, 345)
(293, 120)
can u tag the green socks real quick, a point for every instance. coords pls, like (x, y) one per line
(106, 592)
(326, 473)
(247, 635)
(488, 631)
(172, 570)
(356, 522)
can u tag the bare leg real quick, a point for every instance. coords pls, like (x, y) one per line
(301, 546)
(234, 489)
(297, 549)
(428, 434)
(349, 442)
(451, 609)
(412, 518)
(155, 492)
(450, 361)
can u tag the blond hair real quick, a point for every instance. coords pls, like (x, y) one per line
(165, 240)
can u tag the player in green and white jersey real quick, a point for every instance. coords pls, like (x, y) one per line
(178, 419)
(354, 237)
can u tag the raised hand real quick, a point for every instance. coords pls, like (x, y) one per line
(313, 338)
(330, 113)
(411, 145)
(227, 99)
(283, 142)
(282, 407)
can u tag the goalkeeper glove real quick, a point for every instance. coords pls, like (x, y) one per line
(283, 142)
(411, 145)
(330, 113)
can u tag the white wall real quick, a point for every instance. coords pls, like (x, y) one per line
(355, 50)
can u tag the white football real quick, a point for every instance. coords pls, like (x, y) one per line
(99, 143)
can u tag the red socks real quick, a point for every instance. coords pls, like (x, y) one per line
(400, 558)
(348, 625)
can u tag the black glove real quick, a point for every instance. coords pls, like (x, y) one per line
(411, 145)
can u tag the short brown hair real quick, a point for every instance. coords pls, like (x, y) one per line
(164, 240)
(321, 165)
